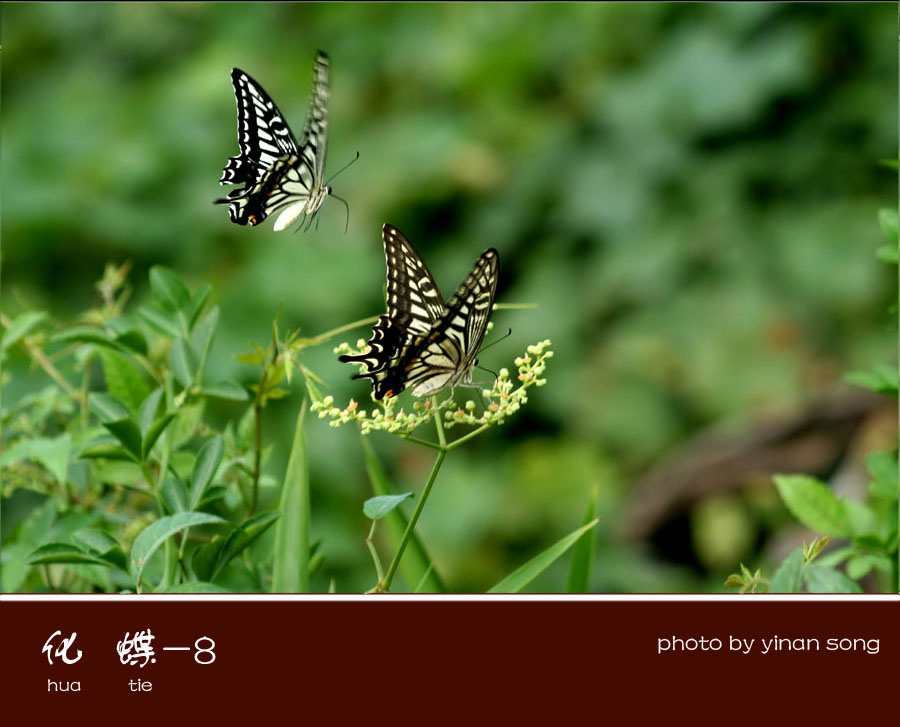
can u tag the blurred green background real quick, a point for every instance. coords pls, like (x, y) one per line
(688, 191)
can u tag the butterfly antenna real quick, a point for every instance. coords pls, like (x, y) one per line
(492, 373)
(492, 343)
(342, 169)
(347, 207)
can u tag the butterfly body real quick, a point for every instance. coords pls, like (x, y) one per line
(422, 342)
(278, 173)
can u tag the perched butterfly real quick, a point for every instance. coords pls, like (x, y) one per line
(421, 341)
(276, 171)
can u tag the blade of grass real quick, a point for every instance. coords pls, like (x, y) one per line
(291, 567)
(521, 577)
(583, 552)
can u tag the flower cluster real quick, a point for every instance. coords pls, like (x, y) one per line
(503, 399)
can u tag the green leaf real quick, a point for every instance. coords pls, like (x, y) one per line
(168, 289)
(202, 334)
(202, 337)
(174, 495)
(154, 432)
(194, 587)
(522, 576)
(163, 323)
(860, 565)
(862, 519)
(816, 506)
(63, 553)
(203, 559)
(583, 553)
(213, 493)
(822, 579)
(107, 408)
(416, 563)
(21, 326)
(84, 334)
(836, 557)
(132, 339)
(123, 379)
(883, 468)
(789, 576)
(887, 218)
(103, 545)
(291, 567)
(51, 453)
(95, 541)
(155, 534)
(239, 539)
(225, 390)
(205, 467)
(182, 362)
(149, 408)
(195, 307)
(128, 433)
(889, 375)
(882, 380)
(377, 507)
(105, 450)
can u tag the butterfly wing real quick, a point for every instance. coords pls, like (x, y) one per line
(414, 305)
(275, 170)
(446, 355)
(263, 134)
(314, 144)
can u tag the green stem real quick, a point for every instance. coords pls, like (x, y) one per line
(371, 546)
(515, 306)
(423, 442)
(474, 433)
(45, 570)
(322, 337)
(385, 584)
(148, 475)
(438, 423)
(257, 413)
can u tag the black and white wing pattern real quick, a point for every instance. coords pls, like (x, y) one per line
(421, 342)
(276, 171)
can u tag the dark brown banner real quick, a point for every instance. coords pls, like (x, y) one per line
(326, 662)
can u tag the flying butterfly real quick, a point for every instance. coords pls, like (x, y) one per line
(422, 342)
(276, 171)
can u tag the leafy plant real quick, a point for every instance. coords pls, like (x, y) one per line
(869, 527)
(99, 481)
(123, 482)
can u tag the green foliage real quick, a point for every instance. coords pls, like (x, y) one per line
(870, 527)
(136, 462)
(188, 478)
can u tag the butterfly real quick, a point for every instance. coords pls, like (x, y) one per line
(276, 171)
(422, 342)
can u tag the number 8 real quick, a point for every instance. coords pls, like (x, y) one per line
(212, 645)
